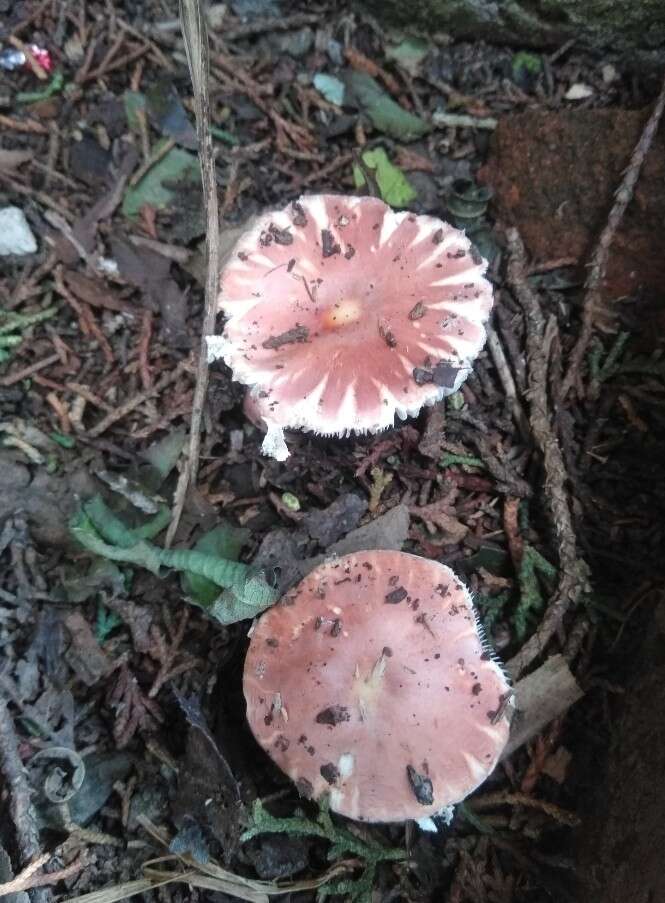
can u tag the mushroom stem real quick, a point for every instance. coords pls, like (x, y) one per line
(274, 443)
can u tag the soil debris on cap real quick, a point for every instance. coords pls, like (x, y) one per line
(334, 714)
(329, 246)
(421, 786)
(396, 595)
(387, 336)
(299, 218)
(281, 236)
(444, 374)
(392, 704)
(376, 298)
(290, 337)
(329, 773)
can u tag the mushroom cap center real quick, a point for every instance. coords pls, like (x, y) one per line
(342, 313)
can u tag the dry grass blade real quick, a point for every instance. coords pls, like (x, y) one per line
(120, 891)
(206, 875)
(211, 876)
(196, 46)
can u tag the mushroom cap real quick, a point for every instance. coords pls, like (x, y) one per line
(346, 313)
(371, 682)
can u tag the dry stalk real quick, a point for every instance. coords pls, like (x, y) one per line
(196, 45)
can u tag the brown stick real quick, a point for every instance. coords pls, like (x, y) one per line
(25, 372)
(27, 879)
(507, 381)
(572, 570)
(600, 256)
(21, 809)
(196, 44)
(34, 63)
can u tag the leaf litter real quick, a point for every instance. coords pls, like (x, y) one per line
(121, 638)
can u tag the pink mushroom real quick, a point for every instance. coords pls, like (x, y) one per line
(342, 313)
(371, 682)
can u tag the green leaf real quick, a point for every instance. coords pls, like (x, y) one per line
(331, 88)
(386, 115)
(223, 541)
(158, 187)
(143, 554)
(531, 600)
(342, 841)
(526, 62)
(113, 530)
(163, 455)
(408, 54)
(56, 85)
(223, 135)
(246, 591)
(12, 322)
(107, 621)
(395, 188)
(135, 104)
(63, 441)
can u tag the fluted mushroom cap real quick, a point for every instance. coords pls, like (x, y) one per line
(343, 313)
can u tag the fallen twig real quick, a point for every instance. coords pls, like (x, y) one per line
(22, 814)
(30, 370)
(505, 375)
(271, 23)
(196, 45)
(30, 58)
(572, 570)
(600, 256)
(506, 798)
(463, 121)
(27, 879)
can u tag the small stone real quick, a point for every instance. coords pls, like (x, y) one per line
(609, 74)
(216, 14)
(335, 52)
(15, 234)
(294, 43)
(578, 91)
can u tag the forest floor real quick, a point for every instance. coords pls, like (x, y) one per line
(125, 759)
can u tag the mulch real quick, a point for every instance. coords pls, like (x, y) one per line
(545, 493)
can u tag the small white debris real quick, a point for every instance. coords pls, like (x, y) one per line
(15, 234)
(609, 74)
(346, 765)
(216, 15)
(236, 440)
(578, 91)
(108, 265)
(427, 824)
(274, 444)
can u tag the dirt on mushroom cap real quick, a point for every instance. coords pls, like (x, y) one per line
(370, 682)
(349, 281)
